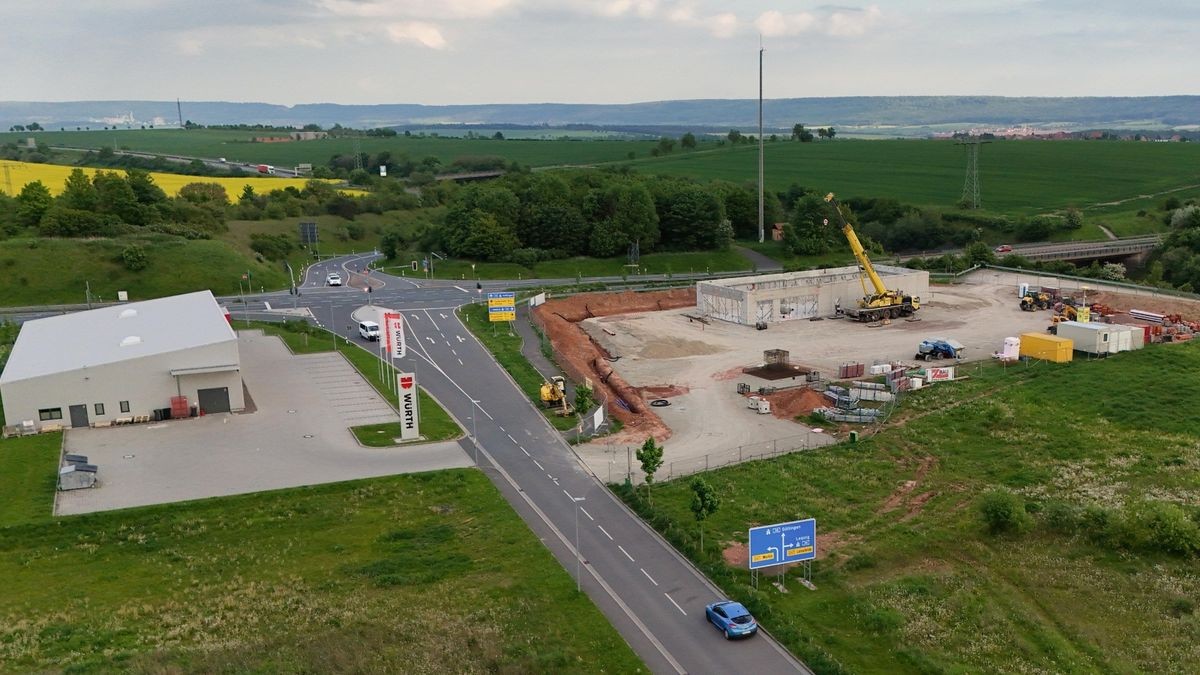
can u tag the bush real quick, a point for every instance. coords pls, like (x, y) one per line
(1061, 517)
(271, 246)
(134, 258)
(1003, 512)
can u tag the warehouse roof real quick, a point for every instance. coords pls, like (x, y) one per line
(119, 333)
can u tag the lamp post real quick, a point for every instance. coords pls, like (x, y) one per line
(578, 554)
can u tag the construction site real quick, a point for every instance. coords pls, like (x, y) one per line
(728, 370)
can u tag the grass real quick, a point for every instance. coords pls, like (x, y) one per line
(506, 348)
(428, 572)
(28, 470)
(236, 146)
(651, 263)
(436, 423)
(921, 587)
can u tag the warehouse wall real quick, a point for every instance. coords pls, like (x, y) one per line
(146, 383)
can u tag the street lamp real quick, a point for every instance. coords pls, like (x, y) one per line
(578, 555)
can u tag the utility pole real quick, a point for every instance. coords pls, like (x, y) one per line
(578, 553)
(179, 109)
(761, 226)
(970, 194)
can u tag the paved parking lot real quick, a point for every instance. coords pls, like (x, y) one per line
(297, 436)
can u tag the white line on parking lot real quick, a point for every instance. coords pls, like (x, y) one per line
(676, 605)
(648, 576)
(626, 553)
(605, 532)
(586, 513)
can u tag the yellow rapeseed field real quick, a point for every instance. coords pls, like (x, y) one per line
(15, 175)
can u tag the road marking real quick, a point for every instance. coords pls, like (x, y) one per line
(453, 352)
(676, 605)
(415, 316)
(524, 451)
(648, 576)
(461, 289)
(626, 553)
(511, 438)
(568, 494)
(267, 305)
(461, 363)
(605, 532)
(441, 315)
(539, 465)
(460, 338)
(439, 328)
(430, 340)
(502, 429)
(586, 513)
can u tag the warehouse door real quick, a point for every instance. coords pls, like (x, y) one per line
(213, 400)
(79, 416)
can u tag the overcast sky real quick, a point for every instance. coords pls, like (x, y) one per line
(590, 51)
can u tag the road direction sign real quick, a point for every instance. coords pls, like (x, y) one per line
(783, 543)
(502, 306)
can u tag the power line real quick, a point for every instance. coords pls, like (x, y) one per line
(970, 193)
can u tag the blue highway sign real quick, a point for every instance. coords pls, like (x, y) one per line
(783, 543)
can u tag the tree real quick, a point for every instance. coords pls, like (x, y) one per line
(78, 192)
(705, 502)
(811, 229)
(32, 203)
(687, 141)
(391, 243)
(735, 136)
(822, 132)
(206, 193)
(690, 217)
(799, 133)
(497, 136)
(666, 145)
(651, 457)
(978, 253)
(830, 133)
(1003, 511)
(115, 196)
(585, 398)
(1073, 219)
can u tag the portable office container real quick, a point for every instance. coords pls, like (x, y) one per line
(1046, 347)
(1092, 338)
(1138, 336)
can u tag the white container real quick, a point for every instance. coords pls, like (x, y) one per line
(1093, 338)
(915, 383)
(1012, 349)
(1022, 290)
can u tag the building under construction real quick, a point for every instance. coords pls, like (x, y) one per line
(771, 298)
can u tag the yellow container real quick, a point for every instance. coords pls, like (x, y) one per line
(1046, 347)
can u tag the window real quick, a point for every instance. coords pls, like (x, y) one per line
(50, 414)
(124, 406)
(99, 408)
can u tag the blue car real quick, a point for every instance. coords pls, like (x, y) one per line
(731, 618)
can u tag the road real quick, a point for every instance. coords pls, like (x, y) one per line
(653, 596)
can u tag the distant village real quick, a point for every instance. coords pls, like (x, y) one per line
(1172, 136)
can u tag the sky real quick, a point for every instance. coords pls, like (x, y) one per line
(590, 51)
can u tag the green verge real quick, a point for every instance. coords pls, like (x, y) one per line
(506, 347)
(428, 573)
(909, 579)
(436, 424)
(568, 268)
(28, 470)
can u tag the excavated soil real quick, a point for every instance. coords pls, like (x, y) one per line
(791, 403)
(581, 357)
(901, 493)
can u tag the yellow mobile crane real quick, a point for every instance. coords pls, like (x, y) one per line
(883, 303)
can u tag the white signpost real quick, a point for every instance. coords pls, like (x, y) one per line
(410, 413)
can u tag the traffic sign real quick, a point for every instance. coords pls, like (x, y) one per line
(502, 306)
(502, 313)
(782, 543)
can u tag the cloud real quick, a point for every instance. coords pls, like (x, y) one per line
(722, 25)
(838, 22)
(423, 33)
(191, 46)
(409, 9)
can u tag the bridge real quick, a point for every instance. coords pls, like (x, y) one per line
(1069, 250)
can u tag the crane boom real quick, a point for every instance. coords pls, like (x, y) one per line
(856, 247)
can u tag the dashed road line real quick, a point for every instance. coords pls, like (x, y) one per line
(643, 569)
(676, 605)
(539, 465)
(587, 514)
(605, 532)
(626, 553)
(524, 451)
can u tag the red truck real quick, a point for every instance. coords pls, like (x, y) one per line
(267, 169)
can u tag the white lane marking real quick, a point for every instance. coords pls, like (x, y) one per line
(441, 315)
(460, 339)
(461, 289)
(511, 438)
(605, 532)
(267, 305)
(626, 553)
(648, 576)
(461, 363)
(676, 605)
(524, 451)
(539, 465)
(414, 317)
(501, 428)
(568, 494)
(430, 340)
(586, 513)
(452, 351)
(439, 328)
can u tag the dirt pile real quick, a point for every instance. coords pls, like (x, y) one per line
(1188, 309)
(581, 357)
(791, 403)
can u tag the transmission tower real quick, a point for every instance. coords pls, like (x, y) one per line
(358, 158)
(970, 193)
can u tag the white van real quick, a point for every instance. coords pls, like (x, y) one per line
(369, 330)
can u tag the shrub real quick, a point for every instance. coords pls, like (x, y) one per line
(134, 258)
(1003, 512)
(1061, 517)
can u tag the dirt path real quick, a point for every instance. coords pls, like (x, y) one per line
(1100, 205)
(1107, 232)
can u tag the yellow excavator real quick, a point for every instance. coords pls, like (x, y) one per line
(883, 303)
(554, 395)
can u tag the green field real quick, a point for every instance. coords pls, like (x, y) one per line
(909, 580)
(28, 468)
(1016, 177)
(236, 146)
(423, 573)
(567, 268)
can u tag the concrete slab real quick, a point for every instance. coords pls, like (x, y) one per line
(299, 435)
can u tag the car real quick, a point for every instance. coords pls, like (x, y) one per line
(731, 618)
(1004, 248)
(333, 279)
(369, 330)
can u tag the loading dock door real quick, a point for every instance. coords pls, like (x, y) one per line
(79, 416)
(213, 400)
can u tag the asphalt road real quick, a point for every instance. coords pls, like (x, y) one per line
(653, 596)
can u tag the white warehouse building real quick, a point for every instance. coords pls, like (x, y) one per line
(124, 361)
(771, 298)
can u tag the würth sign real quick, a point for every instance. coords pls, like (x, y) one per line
(410, 411)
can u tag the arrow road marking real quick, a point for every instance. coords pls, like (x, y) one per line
(460, 339)
(430, 339)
